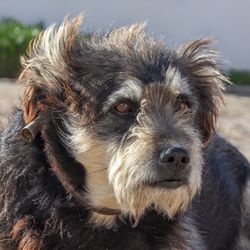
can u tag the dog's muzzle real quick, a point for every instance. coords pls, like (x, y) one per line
(173, 168)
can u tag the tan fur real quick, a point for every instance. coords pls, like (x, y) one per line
(130, 36)
(115, 173)
(30, 241)
(47, 55)
(27, 237)
(202, 62)
(97, 219)
(128, 170)
(93, 154)
(131, 89)
(174, 80)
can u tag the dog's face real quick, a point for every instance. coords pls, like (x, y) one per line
(134, 114)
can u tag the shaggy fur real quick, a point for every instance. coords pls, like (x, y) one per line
(99, 176)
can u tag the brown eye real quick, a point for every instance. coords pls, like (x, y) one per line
(123, 108)
(182, 103)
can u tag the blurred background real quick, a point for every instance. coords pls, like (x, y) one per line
(175, 20)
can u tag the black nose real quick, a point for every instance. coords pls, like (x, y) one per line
(175, 156)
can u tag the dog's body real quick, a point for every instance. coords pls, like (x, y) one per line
(125, 157)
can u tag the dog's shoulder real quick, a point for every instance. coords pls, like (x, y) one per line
(14, 151)
(10, 141)
(225, 176)
(225, 159)
(12, 127)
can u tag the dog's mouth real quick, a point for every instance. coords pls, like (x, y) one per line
(168, 183)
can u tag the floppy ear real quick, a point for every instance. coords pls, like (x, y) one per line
(44, 72)
(206, 80)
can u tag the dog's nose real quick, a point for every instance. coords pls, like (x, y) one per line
(175, 156)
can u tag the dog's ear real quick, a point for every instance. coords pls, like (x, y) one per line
(44, 72)
(200, 62)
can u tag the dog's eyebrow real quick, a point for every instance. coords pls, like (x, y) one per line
(129, 89)
(173, 78)
(176, 82)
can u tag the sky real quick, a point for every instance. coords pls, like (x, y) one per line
(175, 20)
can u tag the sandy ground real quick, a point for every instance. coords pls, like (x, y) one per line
(233, 122)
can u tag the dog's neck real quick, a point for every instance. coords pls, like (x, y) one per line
(29, 133)
(98, 215)
(80, 197)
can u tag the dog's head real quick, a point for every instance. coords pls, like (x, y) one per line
(133, 113)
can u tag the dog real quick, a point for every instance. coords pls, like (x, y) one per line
(115, 147)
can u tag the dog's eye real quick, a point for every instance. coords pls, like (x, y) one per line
(123, 108)
(182, 103)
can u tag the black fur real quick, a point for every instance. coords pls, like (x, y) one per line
(30, 190)
(69, 80)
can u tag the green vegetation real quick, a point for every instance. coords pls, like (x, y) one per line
(239, 77)
(14, 39)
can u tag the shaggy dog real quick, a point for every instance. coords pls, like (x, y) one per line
(120, 149)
